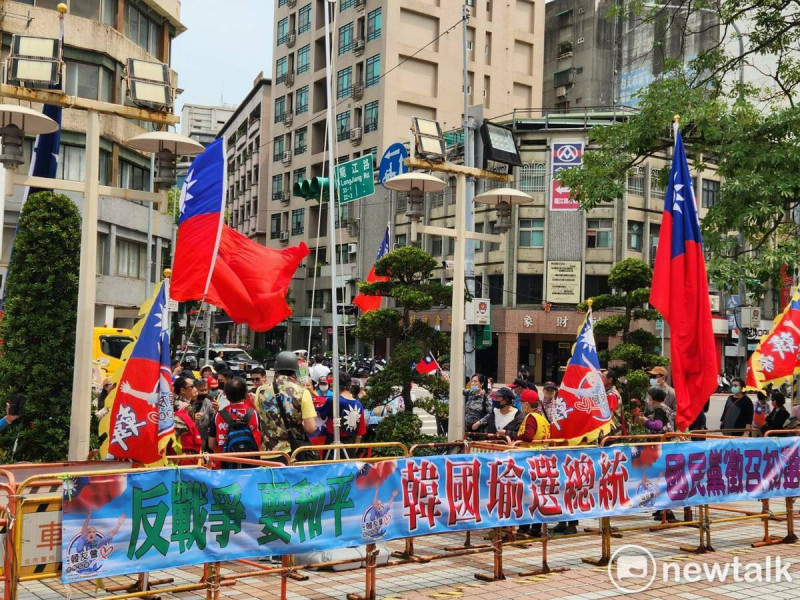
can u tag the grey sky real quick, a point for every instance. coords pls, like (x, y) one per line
(226, 44)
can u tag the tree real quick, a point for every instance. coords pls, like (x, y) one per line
(411, 286)
(630, 282)
(38, 326)
(749, 133)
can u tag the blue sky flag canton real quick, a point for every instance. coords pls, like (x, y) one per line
(203, 192)
(680, 202)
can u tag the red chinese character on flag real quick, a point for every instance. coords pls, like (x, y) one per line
(463, 491)
(613, 477)
(544, 485)
(420, 492)
(506, 488)
(580, 479)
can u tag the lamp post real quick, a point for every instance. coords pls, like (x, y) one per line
(416, 184)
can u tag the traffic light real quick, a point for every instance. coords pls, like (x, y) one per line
(311, 189)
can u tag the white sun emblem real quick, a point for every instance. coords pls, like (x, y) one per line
(351, 418)
(161, 317)
(185, 195)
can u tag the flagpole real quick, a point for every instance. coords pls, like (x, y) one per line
(332, 225)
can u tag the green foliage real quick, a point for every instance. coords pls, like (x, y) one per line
(404, 427)
(38, 327)
(748, 132)
(412, 288)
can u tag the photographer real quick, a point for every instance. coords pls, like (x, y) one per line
(12, 412)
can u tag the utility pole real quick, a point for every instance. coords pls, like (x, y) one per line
(468, 207)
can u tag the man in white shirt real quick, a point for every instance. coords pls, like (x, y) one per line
(318, 371)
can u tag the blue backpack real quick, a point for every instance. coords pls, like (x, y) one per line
(240, 437)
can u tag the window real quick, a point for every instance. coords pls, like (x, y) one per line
(102, 254)
(656, 187)
(598, 233)
(298, 176)
(374, 25)
(318, 298)
(280, 70)
(283, 30)
(529, 289)
(374, 152)
(635, 234)
(596, 285)
(496, 294)
(437, 199)
(89, 81)
(280, 108)
(531, 177)
(281, 3)
(300, 142)
(655, 230)
(710, 193)
(275, 227)
(298, 221)
(71, 161)
(304, 19)
(345, 4)
(344, 83)
(373, 70)
(344, 213)
(343, 254)
(636, 182)
(343, 126)
(140, 29)
(277, 187)
(277, 149)
(493, 246)
(133, 177)
(400, 240)
(345, 38)
(478, 243)
(129, 259)
(301, 100)
(371, 116)
(436, 245)
(302, 59)
(531, 233)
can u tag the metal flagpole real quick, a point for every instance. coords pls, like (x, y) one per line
(332, 222)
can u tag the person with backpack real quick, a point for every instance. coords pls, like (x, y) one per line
(286, 408)
(236, 424)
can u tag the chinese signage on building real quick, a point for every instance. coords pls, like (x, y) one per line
(563, 281)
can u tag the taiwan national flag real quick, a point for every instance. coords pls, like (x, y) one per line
(778, 354)
(580, 410)
(680, 294)
(140, 420)
(221, 266)
(369, 303)
(427, 365)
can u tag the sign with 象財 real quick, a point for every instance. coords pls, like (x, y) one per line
(563, 281)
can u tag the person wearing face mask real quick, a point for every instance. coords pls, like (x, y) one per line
(658, 376)
(503, 419)
(738, 411)
(323, 388)
(477, 403)
(778, 416)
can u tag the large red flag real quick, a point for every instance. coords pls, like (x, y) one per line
(218, 264)
(778, 353)
(368, 303)
(680, 293)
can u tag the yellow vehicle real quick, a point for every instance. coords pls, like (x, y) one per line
(109, 342)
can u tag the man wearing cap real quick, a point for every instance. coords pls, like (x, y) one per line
(550, 392)
(658, 376)
(503, 419)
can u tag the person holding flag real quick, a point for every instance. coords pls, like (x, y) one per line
(428, 365)
(369, 303)
(680, 293)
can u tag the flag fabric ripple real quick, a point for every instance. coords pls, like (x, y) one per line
(369, 303)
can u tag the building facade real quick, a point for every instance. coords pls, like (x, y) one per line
(100, 35)
(203, 123)
(550, 254)
(392, 60)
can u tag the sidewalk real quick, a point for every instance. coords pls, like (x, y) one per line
(455, 577)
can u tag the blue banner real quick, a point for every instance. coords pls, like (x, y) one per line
(121, 524)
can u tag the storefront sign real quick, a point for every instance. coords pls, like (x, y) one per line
(563, 281)
(565, 156)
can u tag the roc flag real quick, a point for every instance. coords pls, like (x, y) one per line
(217, 264)
(778, 354)
(427, 365)
(368, 303)
(680, 293)
(581, 408)
(140, 420)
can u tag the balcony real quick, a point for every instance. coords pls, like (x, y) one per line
(358, 90)
(285, 198)
(286, 159)
(358, 46)
(291, 39)
(343, 134)
(288, 117)
(361, 4)
(563, 78)
(355, 136)
(253, 127)
(256, 158)
(292, 3)
(564, 50)
(300, 150)
(278, 195)
(289, 81)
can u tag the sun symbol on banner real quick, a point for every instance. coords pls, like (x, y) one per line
(185, 195)
(679, 199)
(161, 318)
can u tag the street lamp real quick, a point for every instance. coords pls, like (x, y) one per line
(415, 185)
(503, 199)
(15, 122)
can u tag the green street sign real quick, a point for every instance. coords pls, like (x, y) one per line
(354, 179)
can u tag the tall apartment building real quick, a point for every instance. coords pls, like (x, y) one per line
(203, 123)
(594, 59)
(549, 251)
(391, 61)
(100, 35)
